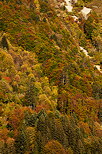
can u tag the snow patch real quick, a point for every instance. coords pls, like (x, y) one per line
(75, 18)
(84, 51)
(98, 67)
(69, 6)
(85, 11)
(68, 2)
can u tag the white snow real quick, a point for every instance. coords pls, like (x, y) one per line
(69, 6)
(68, 2)
(75, 18)
(85, 11)
(84, 51)
(98, 67)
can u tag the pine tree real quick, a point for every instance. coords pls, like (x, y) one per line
(31, 94)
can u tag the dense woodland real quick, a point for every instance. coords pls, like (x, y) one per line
(50, 91)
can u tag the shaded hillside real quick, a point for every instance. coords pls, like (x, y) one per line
(97, 7)
(50, 78)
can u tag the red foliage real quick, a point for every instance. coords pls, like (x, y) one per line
(39, 108)
(6, 7)
(0, 3)
(8, 79)
(4, 133)
(16, 118)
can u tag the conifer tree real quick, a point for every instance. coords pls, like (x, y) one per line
(31, 94)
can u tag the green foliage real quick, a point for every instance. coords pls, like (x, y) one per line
(20, 142)
(31, 95)
(5, 92)
(30, 138)
(10, 146)
(91, 25)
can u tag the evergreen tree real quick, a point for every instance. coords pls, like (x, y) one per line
(31, 95)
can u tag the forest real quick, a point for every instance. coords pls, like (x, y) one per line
(50, 77)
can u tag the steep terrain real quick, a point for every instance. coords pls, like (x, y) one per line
(50, 77)
(96, 5)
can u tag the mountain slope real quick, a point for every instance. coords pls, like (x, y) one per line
(50, 77)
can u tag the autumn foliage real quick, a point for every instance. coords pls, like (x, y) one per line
(50, 91)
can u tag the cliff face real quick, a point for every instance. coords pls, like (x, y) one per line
(50, 76)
